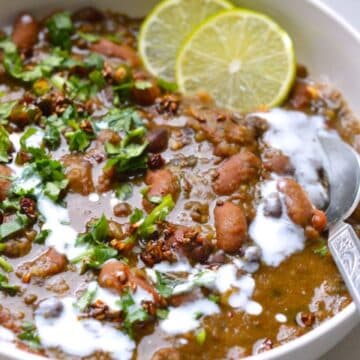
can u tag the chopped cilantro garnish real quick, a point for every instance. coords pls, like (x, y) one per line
(18, 223)
(60, 29)
(124, 191)
(97, 233)
(5, 265)
(52, 137)
(148, 226)
(162, 313)
(86, 298)
(78, 140)
(89, 37)
(29, 335)
(128, 155)
(322, 251)
(97, 252)
(165, 284)
(41, 236)
(6, 287)
(122, 120)
(5, 110)
(133, 313)
(5, 145)
(94, 61)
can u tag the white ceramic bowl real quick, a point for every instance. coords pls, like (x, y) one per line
(328, 46)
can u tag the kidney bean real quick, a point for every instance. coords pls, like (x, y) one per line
(124, 52)
(158, 140)
(231, 227)
(5, 182)
(299, 207)
(47, 264)
(319, 220)
(78, 172)
(278, 163)
(114, 275)
(25, 32)
(238, 169)
(161, 182)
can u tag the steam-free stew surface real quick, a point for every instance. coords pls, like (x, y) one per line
(137, 223)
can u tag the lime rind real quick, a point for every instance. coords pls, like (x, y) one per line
(288, 49)
(160, 37)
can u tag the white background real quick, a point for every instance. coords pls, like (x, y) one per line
(348, 349)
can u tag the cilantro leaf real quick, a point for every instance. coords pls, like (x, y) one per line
(87, 297)
(60, 29)
(124, 191)
(41, 236)
(128, 155)
(97, 233)
(122, 119)
(78, 140)
(52, 137)
(6, 287)
(148, 227)
(89, 36)
(18, 223)
(29, 335)
(5, 145)
(5, 265)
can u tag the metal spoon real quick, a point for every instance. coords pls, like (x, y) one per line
(343, 173)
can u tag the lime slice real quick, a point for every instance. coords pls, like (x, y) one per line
(165, 29)
(243, 59)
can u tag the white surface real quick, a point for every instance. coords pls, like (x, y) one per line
(349, 348)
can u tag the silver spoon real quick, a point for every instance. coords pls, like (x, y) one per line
(343, 173)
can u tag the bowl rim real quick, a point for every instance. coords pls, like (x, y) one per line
(344, 315)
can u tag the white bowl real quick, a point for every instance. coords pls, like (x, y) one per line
(328, 46)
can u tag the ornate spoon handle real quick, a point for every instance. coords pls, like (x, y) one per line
(344, 245)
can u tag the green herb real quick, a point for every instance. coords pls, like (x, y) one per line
(29, 335)
(42, 236)
(97, 233)
(17, 224)
(5, 110)
(5, 145)
(148, 227)
(5, 265)
(162, 313)
(27, 134)
(200, 336)
(97, 78)
(94, 61)
(322, 251)
(124, 191)
(6, 287)
(214, 298)
(86, 298)
(167, 86)
(14, 66)
(128, 155)
(136, 216)
(165, 284)
(60, 28)
(78, 140)
(89, 37)
(198, 315)
(132, 312)
(10, 204)
(97, 252)
(52, 138)
(95, 256)
(122, 119)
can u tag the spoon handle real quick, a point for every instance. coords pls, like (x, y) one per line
(344, 245)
